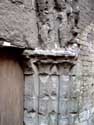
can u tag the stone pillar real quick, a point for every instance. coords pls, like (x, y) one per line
(48, 87)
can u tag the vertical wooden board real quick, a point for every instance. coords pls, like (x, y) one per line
(11, 92)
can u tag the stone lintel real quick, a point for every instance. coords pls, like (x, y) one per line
(51, 56)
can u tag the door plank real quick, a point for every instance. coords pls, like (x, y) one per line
(11, 92)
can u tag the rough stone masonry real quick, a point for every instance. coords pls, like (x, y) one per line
(58, 41)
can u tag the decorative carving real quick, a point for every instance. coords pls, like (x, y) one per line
(60, 5)
(58, 22)
(43, 105)
(17, 1)
(43, 120)
(52, 118)
(54, 69)
(44, 79)
(63, 106)
(63, 120)
(53, 97)
(64, 87)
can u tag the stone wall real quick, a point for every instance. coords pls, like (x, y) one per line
(48, 88)
(48, 85)
(83, 80)
(18, 23)
(59, 86)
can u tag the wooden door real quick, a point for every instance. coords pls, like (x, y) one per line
(11, 91)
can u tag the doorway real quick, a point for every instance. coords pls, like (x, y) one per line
(11, 88)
